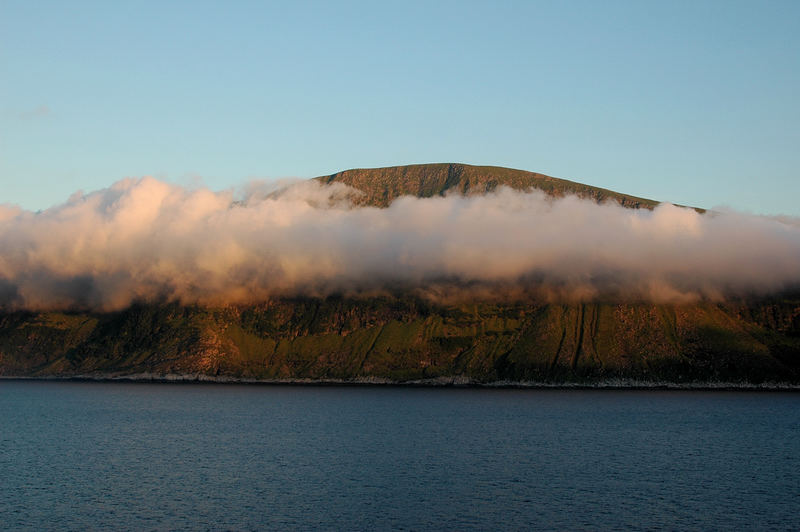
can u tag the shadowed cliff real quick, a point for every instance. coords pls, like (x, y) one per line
(406, 339)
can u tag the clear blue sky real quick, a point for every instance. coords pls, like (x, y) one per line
(691, 102)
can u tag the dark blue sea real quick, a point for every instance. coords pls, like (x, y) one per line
(80, 455)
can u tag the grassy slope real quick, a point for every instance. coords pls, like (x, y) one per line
(410, 339)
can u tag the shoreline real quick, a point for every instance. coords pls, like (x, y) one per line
(439, 382)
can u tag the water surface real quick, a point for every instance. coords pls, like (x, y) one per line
(163, 456)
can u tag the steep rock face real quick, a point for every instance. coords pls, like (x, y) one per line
(382, 185)
(406, 339)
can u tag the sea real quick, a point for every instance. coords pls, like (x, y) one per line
(161, 456)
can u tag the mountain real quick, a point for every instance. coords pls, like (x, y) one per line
(402, 337)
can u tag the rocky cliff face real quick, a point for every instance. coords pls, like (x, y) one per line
(407, 339)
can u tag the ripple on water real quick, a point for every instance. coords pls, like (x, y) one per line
(157, 456)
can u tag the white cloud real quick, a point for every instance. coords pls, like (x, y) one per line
(146, 239)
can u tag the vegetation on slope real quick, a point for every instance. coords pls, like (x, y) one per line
(406, 339)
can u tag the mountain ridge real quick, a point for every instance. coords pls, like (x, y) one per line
(384, 184)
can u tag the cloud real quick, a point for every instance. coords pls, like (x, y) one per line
(37, 112)
(143, 239)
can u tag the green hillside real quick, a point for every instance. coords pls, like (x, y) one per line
(406, 339)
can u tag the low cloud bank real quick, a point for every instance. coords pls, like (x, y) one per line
(148, 240)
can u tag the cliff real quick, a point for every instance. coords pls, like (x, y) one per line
(405, 339)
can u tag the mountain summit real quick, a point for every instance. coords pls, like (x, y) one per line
(382, 185)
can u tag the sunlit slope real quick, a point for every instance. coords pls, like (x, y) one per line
(407, 339)
(382, 185)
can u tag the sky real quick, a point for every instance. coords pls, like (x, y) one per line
(688, 102)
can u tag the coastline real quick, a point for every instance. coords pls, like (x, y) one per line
(439, 382)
